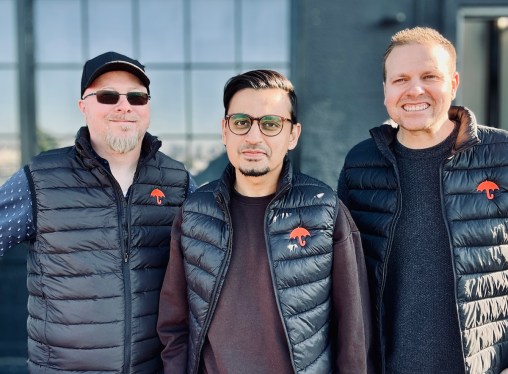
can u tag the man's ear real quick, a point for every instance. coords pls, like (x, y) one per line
(455, 84)
(296, 130)
(224, 130)
(81, 105)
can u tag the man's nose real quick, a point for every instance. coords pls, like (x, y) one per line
(254, 135)
(123, 104)
(415, 88)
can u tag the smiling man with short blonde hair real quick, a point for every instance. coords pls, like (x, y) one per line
(430, 199)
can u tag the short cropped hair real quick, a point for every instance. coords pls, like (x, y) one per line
(260, 79)
(419, 35)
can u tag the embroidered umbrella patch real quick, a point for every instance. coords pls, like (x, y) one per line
(300, 233)
(158, 194)
(487, 187)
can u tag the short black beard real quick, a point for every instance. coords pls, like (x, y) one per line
(254, 173)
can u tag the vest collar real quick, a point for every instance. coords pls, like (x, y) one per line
(384, 135)
(90, 158)
(227, 181)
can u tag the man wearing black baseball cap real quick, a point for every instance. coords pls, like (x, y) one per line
(111, 61)
(98, 217)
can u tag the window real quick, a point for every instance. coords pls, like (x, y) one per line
(189, 47)
(483, 63)
(9, 137)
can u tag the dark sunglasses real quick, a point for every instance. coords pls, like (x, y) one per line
(112, 97)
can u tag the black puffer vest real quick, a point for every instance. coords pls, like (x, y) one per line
(477, 227)
(301, 276)
(98, 260)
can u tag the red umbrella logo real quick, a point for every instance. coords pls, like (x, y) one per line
(487, 186)
(158, 194)
(299, 233)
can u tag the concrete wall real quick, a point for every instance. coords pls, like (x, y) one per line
(338, 52)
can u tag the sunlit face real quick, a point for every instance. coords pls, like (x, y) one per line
(255, 155)
(120, 127)
(421, 83)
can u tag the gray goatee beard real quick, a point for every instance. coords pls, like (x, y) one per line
(122, 144)
(254, 173)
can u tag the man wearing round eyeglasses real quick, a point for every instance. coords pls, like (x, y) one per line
(266, 273)
(98, 216)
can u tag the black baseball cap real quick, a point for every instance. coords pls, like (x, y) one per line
(112, 61)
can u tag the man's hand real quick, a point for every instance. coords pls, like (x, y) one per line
(505, 371)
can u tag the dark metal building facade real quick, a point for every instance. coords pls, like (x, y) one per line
(335, 61)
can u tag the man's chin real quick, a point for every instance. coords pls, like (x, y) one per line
(254, 172)
(121, 144)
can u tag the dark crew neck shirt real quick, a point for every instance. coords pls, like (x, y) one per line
(246, 334)
(422, 328)
(247, 302)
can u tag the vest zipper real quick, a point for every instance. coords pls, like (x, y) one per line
(385, 269)
(275, 291)
(124, 230)
(127, 284)
(445, 219)
(215, 293)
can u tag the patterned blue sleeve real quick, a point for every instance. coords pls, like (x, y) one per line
(192, 185)
(16, 220)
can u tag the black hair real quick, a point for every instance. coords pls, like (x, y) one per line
(260, 79)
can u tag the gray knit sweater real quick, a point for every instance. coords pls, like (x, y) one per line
(421, 317)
